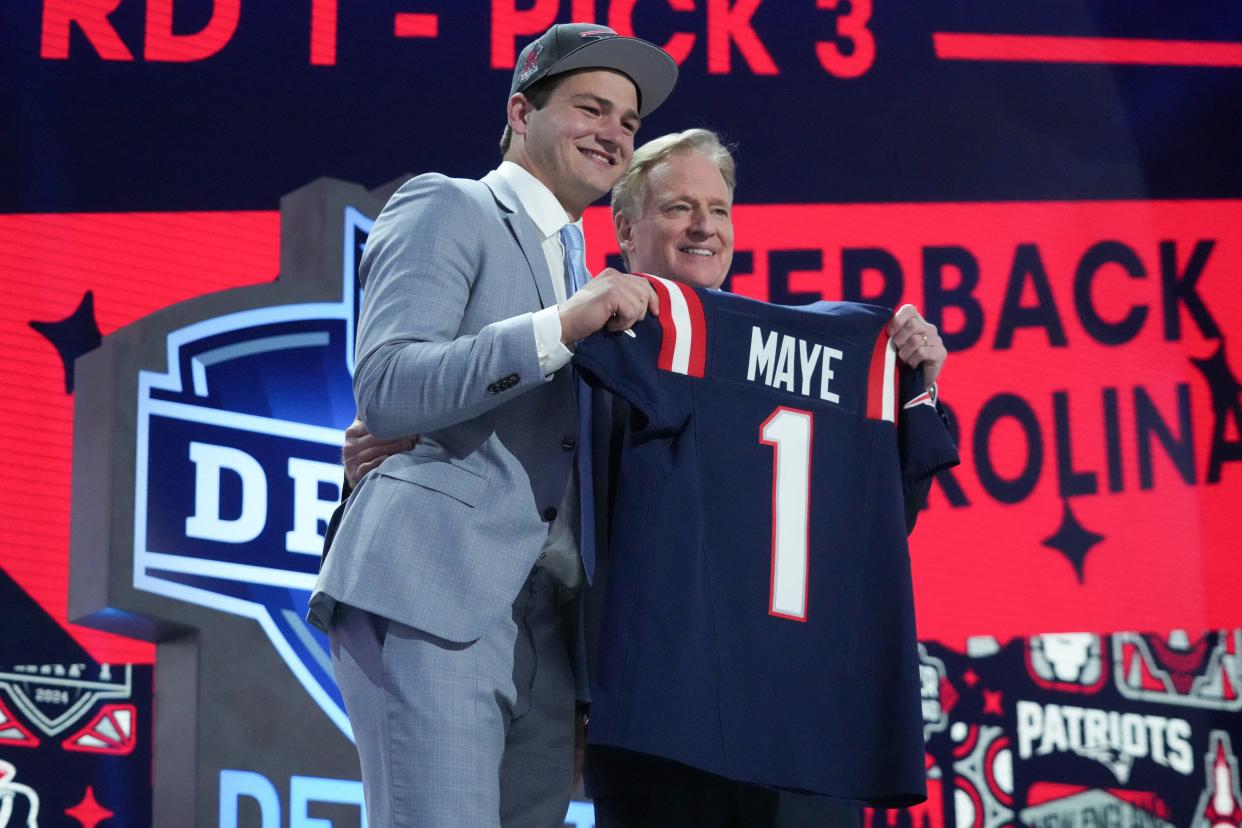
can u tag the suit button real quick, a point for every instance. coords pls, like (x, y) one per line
(503, 384)
(549, 514)
(569, 444)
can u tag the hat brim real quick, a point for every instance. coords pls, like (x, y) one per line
(651, 69)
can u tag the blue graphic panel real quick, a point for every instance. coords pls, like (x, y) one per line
(237, 465)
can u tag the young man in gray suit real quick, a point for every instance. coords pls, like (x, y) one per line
(448, 592)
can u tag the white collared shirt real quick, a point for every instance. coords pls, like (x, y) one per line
(549, 217)
(560, 551)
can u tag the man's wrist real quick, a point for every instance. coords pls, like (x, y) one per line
(549, 347)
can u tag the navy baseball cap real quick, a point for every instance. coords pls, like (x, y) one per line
(569, 46)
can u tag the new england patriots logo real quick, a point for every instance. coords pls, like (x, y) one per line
(237, 465)
(531, 65)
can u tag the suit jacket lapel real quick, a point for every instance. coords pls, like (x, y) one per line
(523, 230)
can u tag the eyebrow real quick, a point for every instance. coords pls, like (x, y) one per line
(686, 197)
(605, 103)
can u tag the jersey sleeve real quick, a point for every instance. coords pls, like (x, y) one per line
(924, 442)
(628, 366)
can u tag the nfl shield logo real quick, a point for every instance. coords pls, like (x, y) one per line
(207, 444)
(237, 466)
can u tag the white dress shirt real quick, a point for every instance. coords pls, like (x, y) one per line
(560, 552)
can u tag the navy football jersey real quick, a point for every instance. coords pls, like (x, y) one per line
(758, 618)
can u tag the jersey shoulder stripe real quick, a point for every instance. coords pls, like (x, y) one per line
(683, 349)
(882, 380)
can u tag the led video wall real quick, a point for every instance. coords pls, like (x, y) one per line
(1055, 186)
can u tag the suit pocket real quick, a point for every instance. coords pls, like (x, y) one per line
(440, 476)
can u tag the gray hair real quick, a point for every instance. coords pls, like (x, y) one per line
(629, 192)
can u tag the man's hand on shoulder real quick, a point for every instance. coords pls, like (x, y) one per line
(612, 300)
(363, 451)
(918, 343)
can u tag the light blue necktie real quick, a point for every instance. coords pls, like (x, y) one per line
(576, 276)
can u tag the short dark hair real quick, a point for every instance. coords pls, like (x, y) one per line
(537, 93)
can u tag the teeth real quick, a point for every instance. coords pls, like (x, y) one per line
(697, 251)
(598, 155)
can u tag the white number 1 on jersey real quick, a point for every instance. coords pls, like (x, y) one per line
(788, 431)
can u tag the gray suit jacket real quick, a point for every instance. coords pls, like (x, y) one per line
(442, 537)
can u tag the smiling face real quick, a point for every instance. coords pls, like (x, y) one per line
(685, 228)
(581, 140)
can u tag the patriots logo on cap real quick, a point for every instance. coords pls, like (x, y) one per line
(531, 66)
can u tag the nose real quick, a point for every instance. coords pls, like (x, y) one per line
(612, 136)
(702, 223)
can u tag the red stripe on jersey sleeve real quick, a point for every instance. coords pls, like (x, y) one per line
(875, 378)
(698, 331)
(668, 331)
(896, 388)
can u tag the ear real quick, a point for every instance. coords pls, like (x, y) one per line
(518, 110)
(625, 230)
